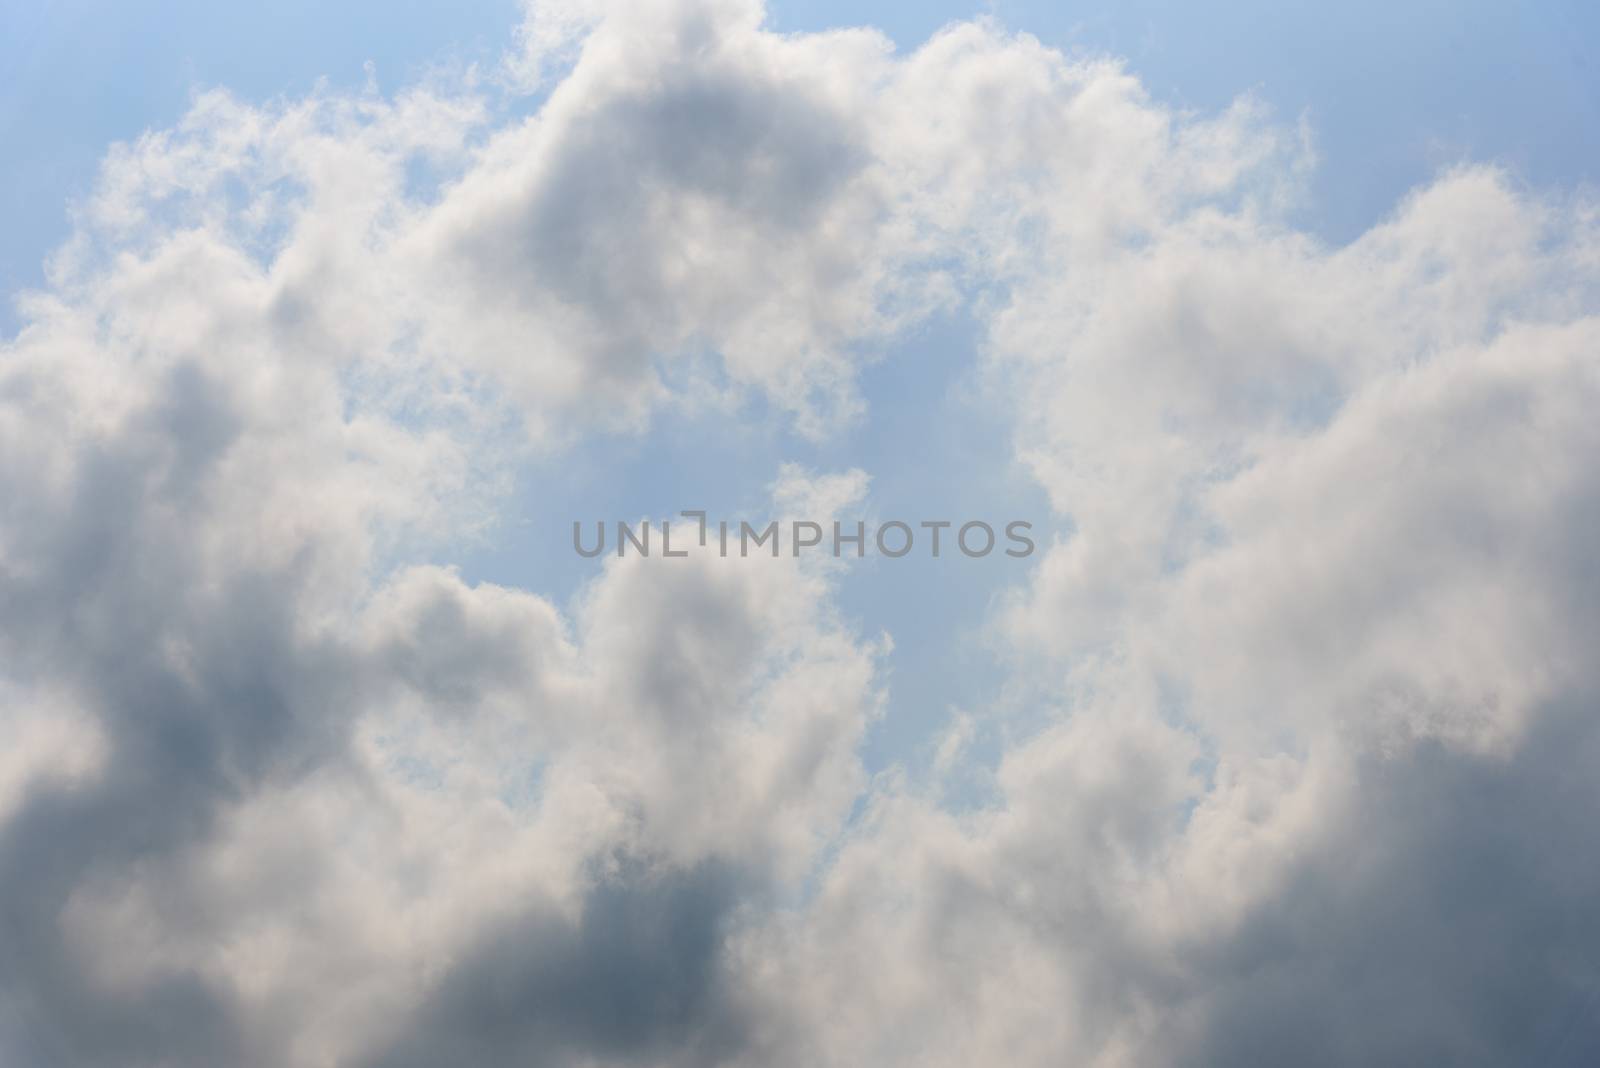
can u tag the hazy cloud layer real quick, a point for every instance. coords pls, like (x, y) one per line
(1310, 748)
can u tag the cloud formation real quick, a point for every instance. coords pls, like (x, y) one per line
(1310, 744)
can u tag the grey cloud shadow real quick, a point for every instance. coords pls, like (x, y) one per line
(639, 978)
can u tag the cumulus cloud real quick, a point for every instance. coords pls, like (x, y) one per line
(1312, 744)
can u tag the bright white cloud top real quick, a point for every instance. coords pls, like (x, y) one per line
(1307, 757)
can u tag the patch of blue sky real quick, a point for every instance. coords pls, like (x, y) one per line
(935, 450)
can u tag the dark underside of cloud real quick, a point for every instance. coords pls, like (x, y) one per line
(1450, 920)
(638, 979)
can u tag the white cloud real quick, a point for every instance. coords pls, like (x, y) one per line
(1313, 667)
(1323, 615)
